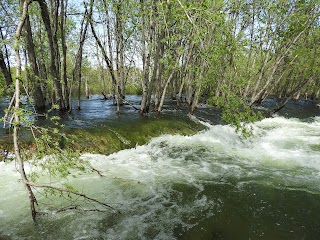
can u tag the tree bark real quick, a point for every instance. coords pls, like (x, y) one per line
(63, 17)
(34, 76)
(32, 199)
(51, 30)
(120, 49)
(146, 56)
(5, 67)
(5, 71)
(164, 91)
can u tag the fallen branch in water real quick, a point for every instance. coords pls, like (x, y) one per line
(105, 96)
(69, 191)
(78, 207)
(125, 101)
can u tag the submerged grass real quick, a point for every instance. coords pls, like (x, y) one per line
(107, 139)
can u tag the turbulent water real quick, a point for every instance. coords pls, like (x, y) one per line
(213, 185)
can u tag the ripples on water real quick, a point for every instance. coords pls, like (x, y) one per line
(213, 185)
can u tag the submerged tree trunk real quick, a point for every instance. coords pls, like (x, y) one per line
(101, 74)
(64, 54)
(87, 88)
(147, 41)
(108, 62)
(110, 48)
(120, 50)
(164, 91)
(157, 69)
(183, 72)
(76, 73)
(51, 30)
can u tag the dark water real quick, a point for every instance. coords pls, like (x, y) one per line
(213, 185)
(96, 112)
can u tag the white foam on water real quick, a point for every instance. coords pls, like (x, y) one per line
(162, 185)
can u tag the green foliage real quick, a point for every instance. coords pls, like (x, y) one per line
(133, 89)
(237, 113)
(50, 154)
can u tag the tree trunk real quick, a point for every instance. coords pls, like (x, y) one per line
(157, 68)
(64, 53)
(101, 74)
(179, 97)
(195, 99)
(43, 73)
(184, 70)
(110, 48)
(34, 76)
(120, 50)
(164, 91)
(76, 73)
(5, 67)
(51, 30)
(87, 89)
(107, 60)
(32, 199)
(146, 56)
(5, 70)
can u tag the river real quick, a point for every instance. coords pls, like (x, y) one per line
(212, 185)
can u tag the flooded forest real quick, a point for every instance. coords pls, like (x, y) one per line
(159, 119)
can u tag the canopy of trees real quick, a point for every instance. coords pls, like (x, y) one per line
(224, 52)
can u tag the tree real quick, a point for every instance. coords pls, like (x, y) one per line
(35, 76)
(108, 62)
(61, 167)
(76, 73)
(7, 10)
(63, 16)
(51, 27)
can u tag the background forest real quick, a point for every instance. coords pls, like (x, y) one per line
(232, 54)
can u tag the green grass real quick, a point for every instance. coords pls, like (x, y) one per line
(108, 139)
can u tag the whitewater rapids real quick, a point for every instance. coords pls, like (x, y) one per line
(212, 185)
